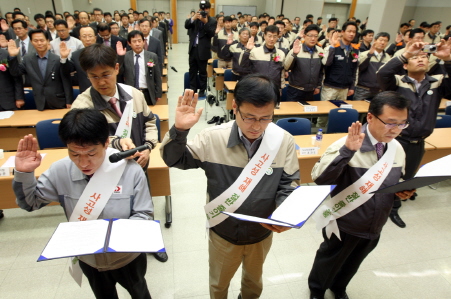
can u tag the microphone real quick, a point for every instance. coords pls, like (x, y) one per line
(116, 157)
(173, 68)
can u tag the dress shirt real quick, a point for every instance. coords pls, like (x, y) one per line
(142, 69)
(417, 84)
(251, 148)
(372, 139)
(108, 98)
(42, 62)
(26, 42)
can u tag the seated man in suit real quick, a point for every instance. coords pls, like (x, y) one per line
(88, 37)
(51, 88)
(111, 98)
(72, 43)
(11, 95)
(140, 68)
(105, 37)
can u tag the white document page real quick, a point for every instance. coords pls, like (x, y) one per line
(76, 238)
(6, 114)
(11, 162)
(301, 203)
(439, 167)
(129, 235)
(255, 219)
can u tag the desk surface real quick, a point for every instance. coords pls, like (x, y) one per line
(25, 118)
(443, 104)
(164, 87)
(164, 73)
(161, 110)
(440, 138)
(294, 108)
(219, 71)
(230, 85)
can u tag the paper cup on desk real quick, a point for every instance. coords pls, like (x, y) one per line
(313, 140)
(2, 155)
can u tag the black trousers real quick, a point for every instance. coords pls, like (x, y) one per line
(147, 96)
(336, 262)
(131, 277)
(414, 155)
(294, 95)
(196, 65)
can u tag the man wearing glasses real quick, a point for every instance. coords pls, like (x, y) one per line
(63, 36)
(226, 153)
(307, 71)
(266, 59)
(359, 157)
(425, 92)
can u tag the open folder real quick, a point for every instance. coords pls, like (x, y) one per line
(102, 236)
(296, 209)
(430, 173)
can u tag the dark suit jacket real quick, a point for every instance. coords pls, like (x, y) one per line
(53, 91)
(206, 32)
(30, 50)
(164, 28)
(114, 41)
(158, 34)
(153, 80)
(73, 65)
(11, 87)
(154, 47)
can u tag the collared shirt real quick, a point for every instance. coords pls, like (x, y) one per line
(26, 42)
(42, 62)
(372, 139)
(267, 50)
(54, 34)
(142, 69)
(108, 98)
(73, 44)
(417, 84)
(251, 148)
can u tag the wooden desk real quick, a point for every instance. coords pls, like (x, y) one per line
(23, 122)
(294, 108)
(164, 97)
(163, 114)
(443, 104)
(165, 63)
(219, 73)
(307, 162)
(440, 139)
(164, 76)
(210, 68)
(158, 173)
(230, 86)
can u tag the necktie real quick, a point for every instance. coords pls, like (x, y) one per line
(145, 44)
(106, 42)
(113, 102)
(379, 149)
(24, 51)
(137, 72)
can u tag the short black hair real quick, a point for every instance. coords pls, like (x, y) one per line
(103, 27)
(134, 33)
(84, 127)
(112, 24)
(18, 13)
(367, 31)
(61, 22)
(58, 14)
(404, 24)
(307, 21)
(382, 34)
(263, 22)
(436, 23)
(107, 14)
(346, 24)
(319, 18)
(39, 16)
(279, 23)
(124, 15)
(97, 55)
(50, 16)
(331, 29)
(147, 20)
(309, 16)
(448, 27)
(24, 24)
(332, 19)
(415, 31)
(312, 27)
(407, 31)
(227, 19)
(97, 9)
(272, 29)
(391, 99)
(36, 31)
(258, 90)
(253, 24)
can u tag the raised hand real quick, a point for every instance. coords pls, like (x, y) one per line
(301, 33)
(230, 39)
(3, 25)
(413, 49)
(250, 43)
(444, 50)
(373, 48)
(27, 156)
(355, 137)
(64, 50)
(333, 40)
(13, 50)
(185, 114)
(296, 46)
(120, 50)
(3, 42)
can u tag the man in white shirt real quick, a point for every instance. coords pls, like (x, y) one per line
(50, 22)
(63, 35)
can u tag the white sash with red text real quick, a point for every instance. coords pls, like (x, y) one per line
(356, 194)
(94, 198)
(232, 198)
(125, 124)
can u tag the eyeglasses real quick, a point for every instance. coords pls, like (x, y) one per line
(249, 120)
(311, 36)
(392, 126)
(104, 77)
